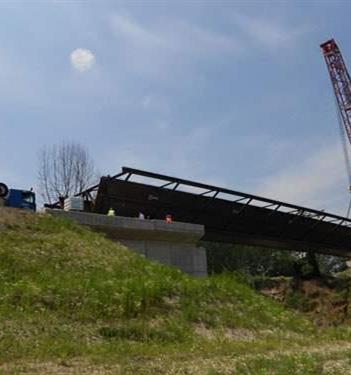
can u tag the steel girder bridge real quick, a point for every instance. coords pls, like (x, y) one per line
(228, 216)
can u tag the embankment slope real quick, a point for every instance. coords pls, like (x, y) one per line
(71, 301)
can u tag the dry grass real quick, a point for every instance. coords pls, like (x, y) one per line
(13, 216)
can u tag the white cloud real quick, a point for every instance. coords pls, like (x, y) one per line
(267, 32)
(185, 38)
(319, 181)
(82, 59)
(173, 41)
(201, 42)
(178, 155)
(166, 48)
(125, 26)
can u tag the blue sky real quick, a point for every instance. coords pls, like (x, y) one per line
(234, 93)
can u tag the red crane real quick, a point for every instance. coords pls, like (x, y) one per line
(341, 82)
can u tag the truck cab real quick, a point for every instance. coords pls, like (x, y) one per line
(17, 198)
(21, 199)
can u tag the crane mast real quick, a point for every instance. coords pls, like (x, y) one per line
(341, 82)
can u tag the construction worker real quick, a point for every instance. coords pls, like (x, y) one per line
(111, 212)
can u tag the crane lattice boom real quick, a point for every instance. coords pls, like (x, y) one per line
(340, 80)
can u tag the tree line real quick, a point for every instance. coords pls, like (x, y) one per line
(255, 260)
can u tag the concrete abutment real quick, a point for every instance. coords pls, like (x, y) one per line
(174, 244)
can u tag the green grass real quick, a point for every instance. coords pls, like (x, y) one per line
(71, 298)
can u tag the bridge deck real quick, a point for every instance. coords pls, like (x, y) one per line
(228, 215)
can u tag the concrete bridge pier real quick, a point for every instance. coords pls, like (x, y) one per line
(173, 244)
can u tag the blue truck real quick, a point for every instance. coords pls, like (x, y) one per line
(17, 198)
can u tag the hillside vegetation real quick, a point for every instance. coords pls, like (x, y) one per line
(71, 301)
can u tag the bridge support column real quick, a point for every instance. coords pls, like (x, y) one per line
(186, 256)
(172, 244)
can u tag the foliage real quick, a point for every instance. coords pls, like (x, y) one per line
(329, 264)
(249, 260)
(252, 260)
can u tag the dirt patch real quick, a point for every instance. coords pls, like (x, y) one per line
(239, 334)
(341, 366)
(63, 367)
(203, 331)
(325, 301)
(236, 334)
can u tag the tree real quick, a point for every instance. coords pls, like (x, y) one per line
(64, 170)
(250, 260)
(255, 260)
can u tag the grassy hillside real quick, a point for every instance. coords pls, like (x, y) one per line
(72, 301)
